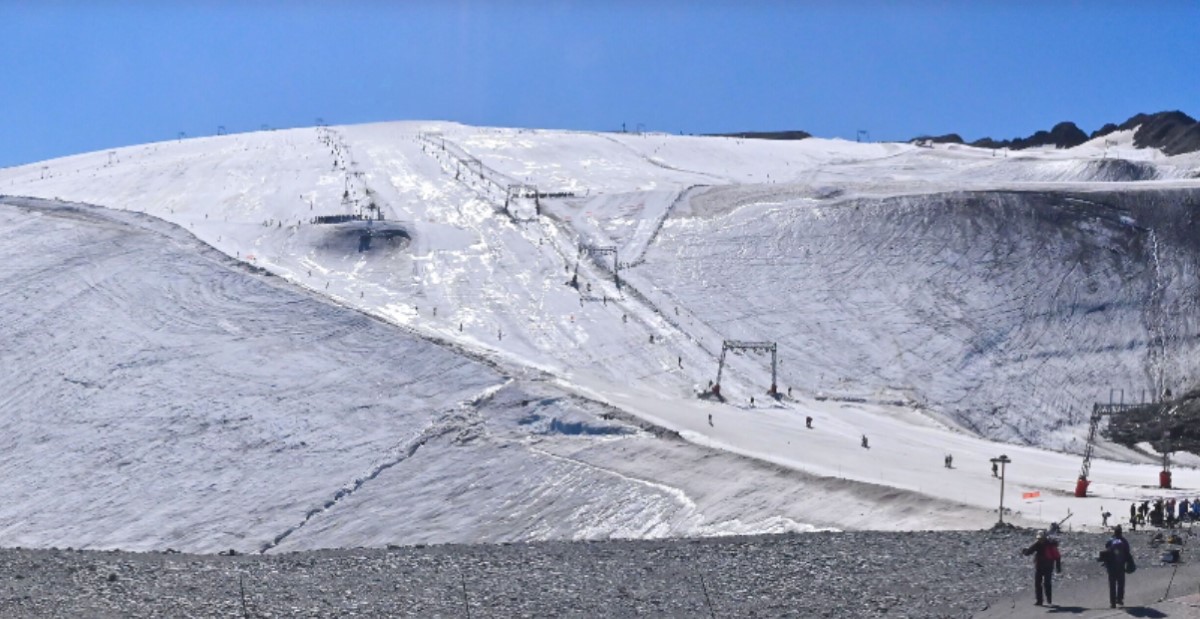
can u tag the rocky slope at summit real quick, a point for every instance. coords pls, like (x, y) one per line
(1173, 132)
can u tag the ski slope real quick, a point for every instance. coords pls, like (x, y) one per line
(936, 300)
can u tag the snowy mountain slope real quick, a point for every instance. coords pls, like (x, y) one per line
(189, 398)
(710, 232)
(1011, 312)
(159, 395)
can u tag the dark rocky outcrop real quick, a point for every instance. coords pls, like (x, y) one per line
(1105, 130)
(766, 135)
(949, 138)
(1062, 135)
(1171, 132)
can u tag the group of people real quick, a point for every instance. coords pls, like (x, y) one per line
(1163, 512)
(1117, 558)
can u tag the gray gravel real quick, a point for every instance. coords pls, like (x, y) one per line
(866, 574)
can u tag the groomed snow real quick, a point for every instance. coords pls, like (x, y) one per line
(914, 293)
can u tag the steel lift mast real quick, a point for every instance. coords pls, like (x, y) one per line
(597, 250)
(728, 345)
(1099, 411)
(522, 191)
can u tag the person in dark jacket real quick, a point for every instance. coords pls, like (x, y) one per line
(1045, 563)
(1118, 560)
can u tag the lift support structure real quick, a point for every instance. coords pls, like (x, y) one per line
(598, 250)
(729, 345)
(1099, 411)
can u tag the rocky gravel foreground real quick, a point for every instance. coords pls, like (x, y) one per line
(864, 574)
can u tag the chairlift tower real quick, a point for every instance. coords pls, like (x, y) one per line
(728, 345)
(598, 250)
(513, 192)
(1115, 406)
(435, 138)
(471, 165)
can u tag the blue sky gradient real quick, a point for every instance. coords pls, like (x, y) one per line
(78, 76)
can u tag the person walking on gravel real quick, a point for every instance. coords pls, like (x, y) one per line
(1118, 561)
(1046, 561)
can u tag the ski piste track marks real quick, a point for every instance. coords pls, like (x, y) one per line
(492, 359)
(640, 256)
(985, 331)
(448, 146)
(151, 224)
(404, 452)
(450, 422)
(659, 164)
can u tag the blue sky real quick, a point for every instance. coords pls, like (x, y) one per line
(81, 76)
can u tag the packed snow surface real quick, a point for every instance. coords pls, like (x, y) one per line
(198, 364)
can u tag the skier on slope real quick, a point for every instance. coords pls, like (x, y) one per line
(1046, 561)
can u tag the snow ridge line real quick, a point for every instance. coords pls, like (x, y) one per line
(407, 452)
(660, 164)
(641, 257)
(449, 422)
(685, 502)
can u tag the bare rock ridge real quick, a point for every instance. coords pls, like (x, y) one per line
(1173, 133)
(1063, 135)
(767, 135)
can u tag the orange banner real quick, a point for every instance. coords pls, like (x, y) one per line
(1031, 495)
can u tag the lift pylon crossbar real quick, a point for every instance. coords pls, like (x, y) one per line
(513, 192)
(470, 164)
(728, 345)
(599, 250)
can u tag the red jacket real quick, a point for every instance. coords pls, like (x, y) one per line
(1042, 554)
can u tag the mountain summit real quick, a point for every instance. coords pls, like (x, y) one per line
(1174, 133)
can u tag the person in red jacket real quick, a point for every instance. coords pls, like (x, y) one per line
(1046, 561)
